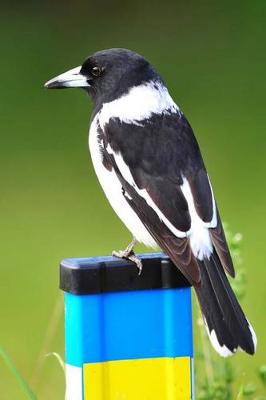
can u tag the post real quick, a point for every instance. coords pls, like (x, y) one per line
(127, 337)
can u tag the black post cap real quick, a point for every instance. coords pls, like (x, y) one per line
(109, 274)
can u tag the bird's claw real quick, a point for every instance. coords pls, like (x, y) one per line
(137, 261)
(129, 256)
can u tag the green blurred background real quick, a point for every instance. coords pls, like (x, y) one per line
(212, 56)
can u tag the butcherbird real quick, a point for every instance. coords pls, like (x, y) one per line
(150, 167)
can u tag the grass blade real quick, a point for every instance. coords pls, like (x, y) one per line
(59, 359)
(21, 381)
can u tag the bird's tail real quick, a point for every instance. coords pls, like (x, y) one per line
(225, 321)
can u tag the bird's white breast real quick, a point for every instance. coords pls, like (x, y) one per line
(113, 191)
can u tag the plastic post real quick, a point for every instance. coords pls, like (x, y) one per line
(127, 336)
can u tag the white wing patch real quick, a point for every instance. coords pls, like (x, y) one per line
(139, 104)
(200, 240)
(213, 222)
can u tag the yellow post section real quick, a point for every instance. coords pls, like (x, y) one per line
(141, 379)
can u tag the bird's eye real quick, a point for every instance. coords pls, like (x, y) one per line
(96, 71)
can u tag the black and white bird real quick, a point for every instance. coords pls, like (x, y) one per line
(150, 167)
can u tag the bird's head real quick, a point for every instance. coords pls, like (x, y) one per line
(106, 75)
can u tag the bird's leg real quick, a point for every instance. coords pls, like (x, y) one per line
(129, 254)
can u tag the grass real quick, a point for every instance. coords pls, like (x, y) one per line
(24, 385)
(17, 375)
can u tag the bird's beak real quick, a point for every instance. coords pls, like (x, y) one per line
(69, 79)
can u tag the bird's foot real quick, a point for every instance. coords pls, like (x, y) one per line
(129, 254)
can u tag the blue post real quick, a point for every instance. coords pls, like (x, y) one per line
(127, 337)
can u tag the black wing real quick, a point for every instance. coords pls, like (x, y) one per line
(159, 153)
